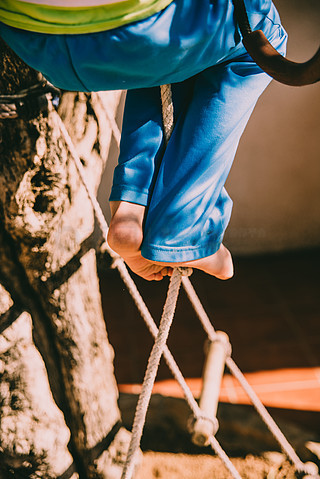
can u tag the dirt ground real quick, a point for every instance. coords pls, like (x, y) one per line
(185, 466)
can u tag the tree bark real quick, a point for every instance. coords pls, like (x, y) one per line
(48, 269)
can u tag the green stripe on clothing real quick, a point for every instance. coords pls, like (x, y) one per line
(74, 20)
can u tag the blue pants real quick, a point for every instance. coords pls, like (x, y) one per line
(196, 45)
(182, 186)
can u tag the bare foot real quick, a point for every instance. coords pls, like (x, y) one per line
(125, 237)
(219, 264)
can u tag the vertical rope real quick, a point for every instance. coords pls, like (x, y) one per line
(119, 264)
(137, 298)
(151, 372)
(192, 403)
(167, 111)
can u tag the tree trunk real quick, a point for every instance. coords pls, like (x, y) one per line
(48, 270)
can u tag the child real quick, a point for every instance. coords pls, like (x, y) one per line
(169, 206)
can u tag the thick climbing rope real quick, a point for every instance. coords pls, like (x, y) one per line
(119, 264)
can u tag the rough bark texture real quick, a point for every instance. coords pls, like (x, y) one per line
(47, 267)
(33, 436)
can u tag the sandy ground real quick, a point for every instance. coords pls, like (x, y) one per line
(184, 466)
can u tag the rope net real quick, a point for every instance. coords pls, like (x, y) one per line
(160, 348)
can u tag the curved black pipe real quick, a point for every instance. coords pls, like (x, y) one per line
(263, 53)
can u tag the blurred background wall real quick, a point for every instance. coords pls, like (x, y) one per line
(274, 182)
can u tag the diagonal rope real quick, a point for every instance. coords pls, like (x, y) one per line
(151, 372)
(119, 264)
(234, 369)
(136, 296)
(112, 121)
(168, 123)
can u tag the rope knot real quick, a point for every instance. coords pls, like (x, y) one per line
(116, 262)
(185, 271)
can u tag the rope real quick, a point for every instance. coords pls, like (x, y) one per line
(263, 412)
(146, 316)
(267, 418)
(28, 103)
(119, 264)
(167, 111)
(113, 124)
(168, 123)
(151, 371)
(150, 375)
(223, 456)
(103, 225)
